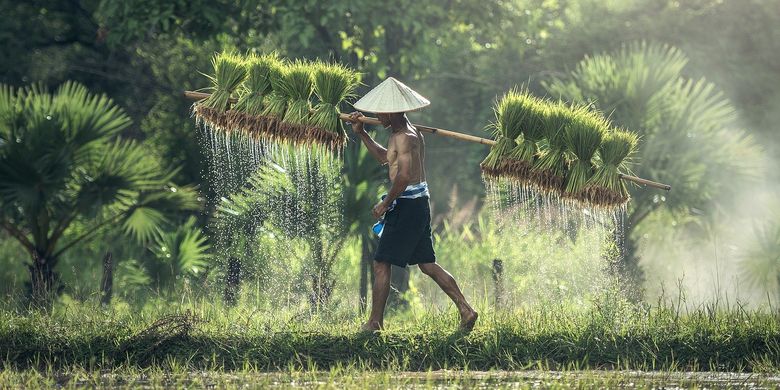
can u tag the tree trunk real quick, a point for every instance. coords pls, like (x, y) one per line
(232, 281)
(322, 288)
(498, 282)
(44, 282)
(365, 270)
(624, 265)
(322, 283)
(107, 283)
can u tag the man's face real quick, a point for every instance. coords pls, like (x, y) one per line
(385, 119)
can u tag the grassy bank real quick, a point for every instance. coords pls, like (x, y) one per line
(204, 336)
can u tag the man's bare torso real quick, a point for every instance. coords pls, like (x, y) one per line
(416, 147)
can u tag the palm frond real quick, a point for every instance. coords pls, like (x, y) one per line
(760, 264)
(87, 117)
(182, 252)
(152, 212)
(143, 223)
(53, 134)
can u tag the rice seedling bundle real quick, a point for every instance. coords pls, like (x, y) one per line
(510, 113)
(247, 112)
(333, 83)
(229, 72)
(298, 84)
(606, 188)
(518, 163)
(549, 170)
(549, 145)
(275, 103)
(583, 138)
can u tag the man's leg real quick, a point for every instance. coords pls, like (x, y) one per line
(379, 294)
(468, 316)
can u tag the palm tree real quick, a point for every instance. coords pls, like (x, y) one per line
(761, 262)
(689, 138)
(62, 161)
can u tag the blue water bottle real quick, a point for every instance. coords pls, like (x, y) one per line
(378, 227)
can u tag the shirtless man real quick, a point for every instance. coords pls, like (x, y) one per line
(406, 237)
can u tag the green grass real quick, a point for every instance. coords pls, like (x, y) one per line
(550, 336)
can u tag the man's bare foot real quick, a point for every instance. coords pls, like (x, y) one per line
(371, 326)
(468, 319)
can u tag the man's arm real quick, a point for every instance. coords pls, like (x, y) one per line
(378, 151)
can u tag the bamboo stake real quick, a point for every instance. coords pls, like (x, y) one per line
(451, 134)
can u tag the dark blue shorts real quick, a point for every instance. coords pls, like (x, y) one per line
(406, 238)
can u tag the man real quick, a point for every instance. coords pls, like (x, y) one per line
(405, 236)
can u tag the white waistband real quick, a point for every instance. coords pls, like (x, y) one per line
(415, 191)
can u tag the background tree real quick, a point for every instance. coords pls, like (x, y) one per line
(689, 136)
(60, 162)
(761, 261)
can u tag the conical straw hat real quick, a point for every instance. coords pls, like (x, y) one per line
(391, 96)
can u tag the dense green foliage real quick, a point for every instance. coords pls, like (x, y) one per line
(61, 164)
(701, 93)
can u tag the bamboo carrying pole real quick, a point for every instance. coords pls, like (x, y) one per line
(448, 133)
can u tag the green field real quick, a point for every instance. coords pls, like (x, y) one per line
(202, 344)
(203, 336)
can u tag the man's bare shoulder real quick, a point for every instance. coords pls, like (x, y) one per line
(406, 139)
